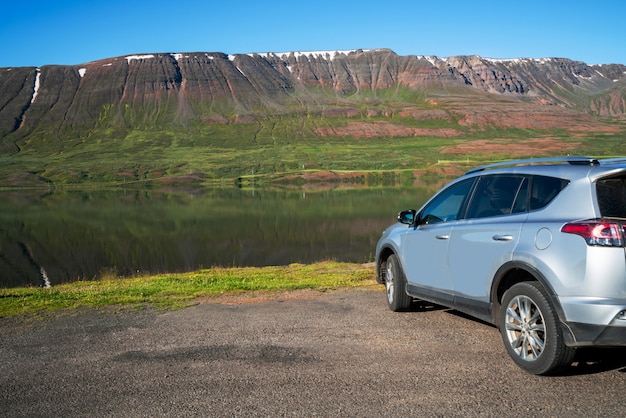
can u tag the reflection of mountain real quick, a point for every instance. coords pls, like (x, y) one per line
(18, 265)
(85, 235)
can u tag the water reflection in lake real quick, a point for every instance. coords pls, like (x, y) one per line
(75, 235)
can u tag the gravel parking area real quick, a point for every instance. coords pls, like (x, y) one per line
(339, 353)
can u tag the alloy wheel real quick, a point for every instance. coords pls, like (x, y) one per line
(525, 328)
(389, 284)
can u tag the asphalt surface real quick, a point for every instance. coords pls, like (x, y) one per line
(303, 354)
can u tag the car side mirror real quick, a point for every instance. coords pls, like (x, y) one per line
(407, 217)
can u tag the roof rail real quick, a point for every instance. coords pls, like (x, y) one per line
(616, 160)
(577, 160)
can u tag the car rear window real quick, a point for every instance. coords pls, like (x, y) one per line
(611, 195)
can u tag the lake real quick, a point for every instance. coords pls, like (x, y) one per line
(47, 238)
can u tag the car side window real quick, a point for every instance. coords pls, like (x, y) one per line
(543, 190)
(497, 195)
(447, 205)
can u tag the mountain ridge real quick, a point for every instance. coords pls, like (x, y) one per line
(526, 78)
(353, 93)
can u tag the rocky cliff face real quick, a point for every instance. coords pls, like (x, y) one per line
(157, 89)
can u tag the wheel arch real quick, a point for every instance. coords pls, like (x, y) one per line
(381, 263)
(515, 272)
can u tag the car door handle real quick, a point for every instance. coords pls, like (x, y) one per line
(442, 236)
(503, 237)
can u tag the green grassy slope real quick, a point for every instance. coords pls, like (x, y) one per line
(146, 145)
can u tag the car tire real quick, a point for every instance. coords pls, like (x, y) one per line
(530, 330)
(395, 285)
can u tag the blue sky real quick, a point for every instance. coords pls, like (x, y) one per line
(42, 32)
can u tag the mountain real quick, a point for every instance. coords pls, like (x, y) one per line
(111, 97)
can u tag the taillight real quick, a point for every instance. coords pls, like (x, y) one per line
(602, 233)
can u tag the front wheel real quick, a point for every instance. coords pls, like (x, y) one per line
(530, 330)
(395, 285)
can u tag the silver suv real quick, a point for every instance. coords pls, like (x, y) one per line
(535, 247)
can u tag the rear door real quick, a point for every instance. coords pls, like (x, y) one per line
(486, 238)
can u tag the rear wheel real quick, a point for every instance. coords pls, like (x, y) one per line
(395, 285)
(530, 330)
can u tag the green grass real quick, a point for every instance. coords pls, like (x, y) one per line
(172, 291)
(140, 145)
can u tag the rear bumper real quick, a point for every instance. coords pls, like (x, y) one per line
(594, 321)
(596, 335)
